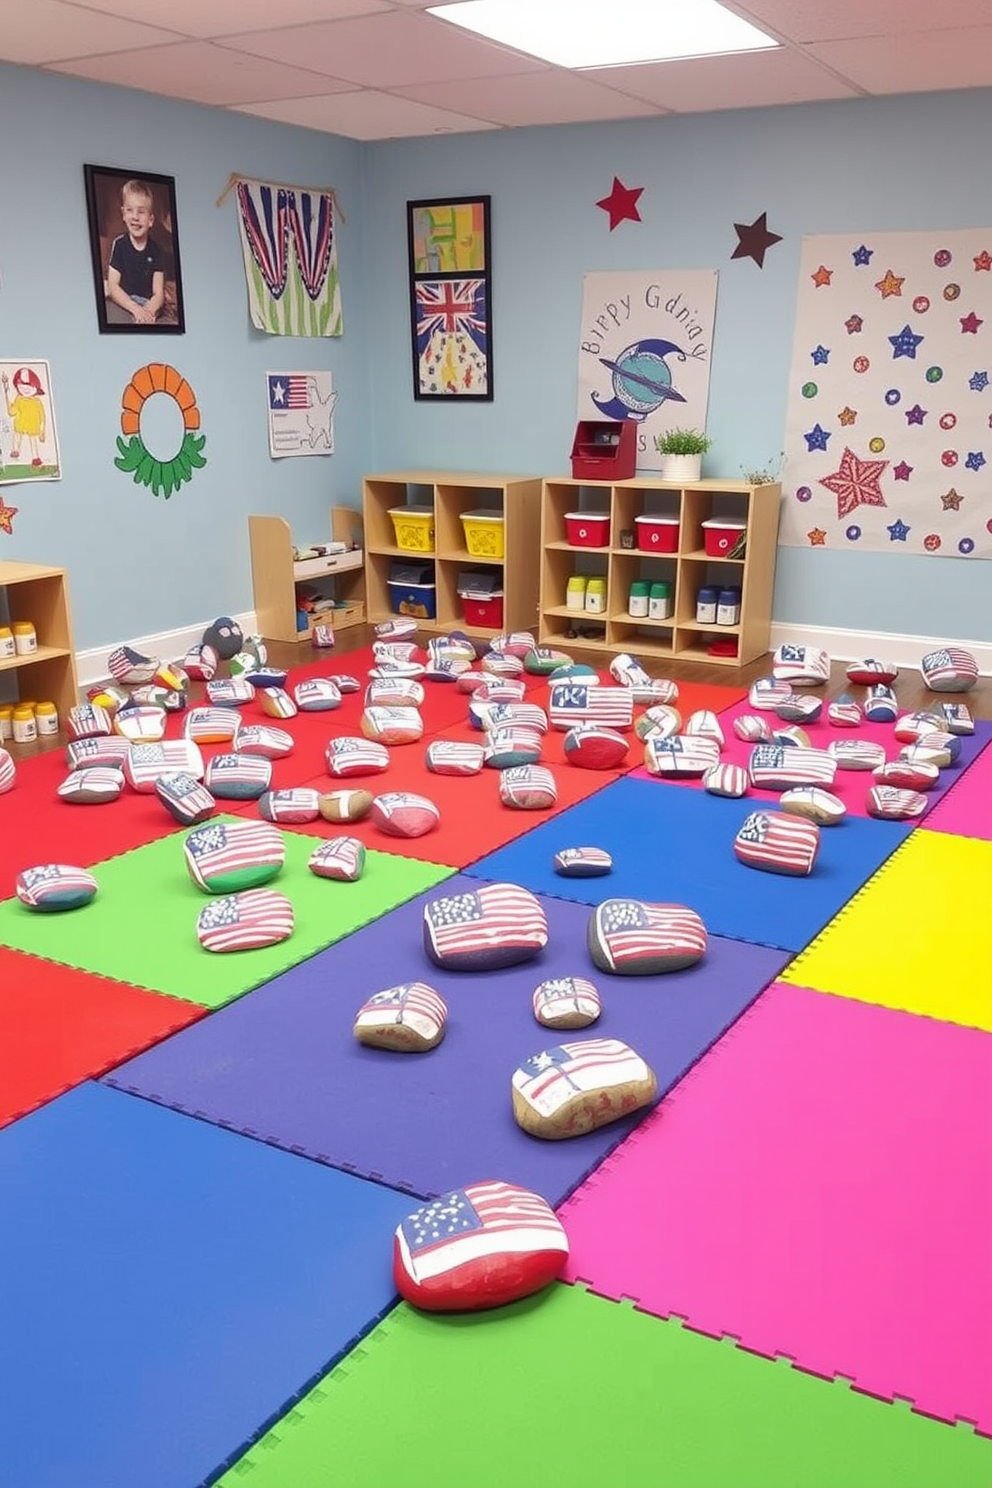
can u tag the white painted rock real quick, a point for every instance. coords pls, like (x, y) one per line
(806, 665)
(348, 756)
(752, 728)
(262, 738)
(403, 814)
(816, 805)
(951, 669)
(207, 725)
(394, 692)
(291, 806)
(705, 725)
(99, 749)
(93, 786)
(409, 1019)
(726, 780)
(892, 804)
(660, 720)
(339, 858)
(317, 695)
(566, 1002)
(915, 775)
(528, 788)
(781, 766)
(392, 725)
(580, 1086)
(685, 755)
(146, 762)
(856, 754)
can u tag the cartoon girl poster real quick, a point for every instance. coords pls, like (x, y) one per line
(29, 447)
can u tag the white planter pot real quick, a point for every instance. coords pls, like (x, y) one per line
(683, 469)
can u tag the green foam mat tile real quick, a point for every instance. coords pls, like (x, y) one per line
(571, 1391)
(141, 927)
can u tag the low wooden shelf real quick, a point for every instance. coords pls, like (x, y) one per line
(35, 592)
(275, 576)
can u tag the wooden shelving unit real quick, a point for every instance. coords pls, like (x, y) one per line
(275, 576)
(681, 637)
(449, 495)
(40, 594)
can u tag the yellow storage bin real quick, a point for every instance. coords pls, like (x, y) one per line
(483, 533)
(414, 528)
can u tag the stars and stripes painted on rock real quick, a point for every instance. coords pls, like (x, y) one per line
(726, 780)
(528, 788)
(392, 725)
(892, 804)
(237, 776)
(100, 749)
(782, 766)
(508, 747)
(245, 921)
(880, 705)
(207, 725)
(91, 786)
(349, 756)
(579, 1086)
(792, 663)
(146, 762)
(339, 858)
(582, 862)
(566, 1002)
(687, 755)
(230, 692)
(394, 692)
(570, 703)
(185, 798)
(487, 715)
(293, 805)
(956, 718)
(87, 721)
(53, 887)
(450, 757)
(8, 772)
(951, 669)
(778, 842)
(765, 693)
(914, 775)
(844, 712)
(817, 805)
(799, 707)
(266, 740)
(129, 666)
(481, 1246)
(870, 671)
(856, 754)
(226, 857)
(629, 937)
(752, 728)
(409, 1018)
(404, 814)
(482, 929)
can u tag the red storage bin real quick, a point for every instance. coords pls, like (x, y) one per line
(725, 537)
(604, 450)
(588, 529)
(657, 534)
(487, 612)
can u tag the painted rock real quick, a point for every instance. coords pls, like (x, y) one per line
(705, 725)
(88, 720)
(474, 678)
(801, 707)
(185, 798)
(570, 703)
(792, 736)
(891, 804)
(323, 637)
(53, 887)
(392, 725)
(229, 692)
(576, 671)
(347, 757)
(8, 772)
(170, 677)
(514, 643)
(146, 762)
(880, 704)
(631, 938)
(914, 775)
(593, 747)
(765, 694)
(451, 757)
(566, 1002)
(543, 660)
(482, 1246)
(488, 716)
(684, 755)
(409, 1019)
(93, 786)
(582, 862)
(501, 690)
(501, 664)
(275, 702)
(483, 929)
(870, 672)
(245, 922)
(317, 695)
(262, 738)
(506, 747)
(226, 637)
(225, 857)
(844, 712)
(397, 629)
(912, 726)
(131, 667)
(154, 696)
(345, 805)
(396, 671)
(403, 814)
(387, 651)
(455, 646)
(101, 749)
(780, 767)
(627, 671)
(339, 858)
(726, 780)
(140, 725)
(856, 754)
(200, 663)
(950, 669)
(956, 719)
(346, 683)
(108, 697)
(809, 665)
(528, 788)
(293, 805)
(238, 777)
(778, 842)
(266, 678)
(206, 725)
(660, 720)
(446, 669)
(580, 1086)
(394, 692)
(752, 728)
(938, 749)
(816, 805)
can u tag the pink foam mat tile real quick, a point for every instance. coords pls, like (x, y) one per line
(817, 1188)
(966, 809)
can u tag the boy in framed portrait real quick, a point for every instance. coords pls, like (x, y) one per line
(136, 268)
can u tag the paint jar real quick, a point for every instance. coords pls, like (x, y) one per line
(6, 722)
(7, 647)
(728, 607)
(25, 639)
(637, 600)
(25, 728)
(706, 602)
(660, 601)
(596, 597)
(46, 717)
(575, 592)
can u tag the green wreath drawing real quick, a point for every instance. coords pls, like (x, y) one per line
(161, 476)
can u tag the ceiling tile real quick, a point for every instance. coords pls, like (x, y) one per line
(387, 51)
(208, 18)
(551, 97)
(919, 63)
(48, 31)
(202, 73)
(813, 20)
(704, 83)
(367, 115)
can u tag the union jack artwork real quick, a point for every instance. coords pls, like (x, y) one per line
(492, 926)
(245, 922)
(450, 308)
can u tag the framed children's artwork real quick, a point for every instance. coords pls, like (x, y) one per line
(450, 298)
(134, 245)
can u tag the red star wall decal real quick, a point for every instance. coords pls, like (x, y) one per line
(855, 483)
(754, 239)
(822, 276)
(7, 515)
(621, 203)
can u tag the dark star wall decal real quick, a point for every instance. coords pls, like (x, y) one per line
(754, 239)
(621, 203)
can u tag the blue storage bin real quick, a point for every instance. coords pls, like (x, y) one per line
(412, 590)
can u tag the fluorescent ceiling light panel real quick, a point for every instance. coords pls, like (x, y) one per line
(587, 33)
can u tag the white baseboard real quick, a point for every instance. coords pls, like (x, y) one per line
(169, 645)
(854, 645)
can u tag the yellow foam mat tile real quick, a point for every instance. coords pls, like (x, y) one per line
(917, 937)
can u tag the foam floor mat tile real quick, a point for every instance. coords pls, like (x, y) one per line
(663, 1406)
(966, 809)
(283, 1064)
(851, 786)
(141, 927)
(674, 845)
(168, 1287)
(917, 936)
(59, 1026)
(816, 1188)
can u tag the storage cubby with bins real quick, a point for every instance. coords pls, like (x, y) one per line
(449, 496)
(680, 636)
(32, 591)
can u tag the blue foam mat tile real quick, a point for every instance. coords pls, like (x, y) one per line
(167, 1287)
(283, 1064)
(676, 846)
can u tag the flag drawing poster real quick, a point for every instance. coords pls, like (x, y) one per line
(301, 413)
(888, 444)
(290, 256)
(645, 347)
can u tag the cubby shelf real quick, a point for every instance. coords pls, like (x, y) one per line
(275, 576)
(40, 594)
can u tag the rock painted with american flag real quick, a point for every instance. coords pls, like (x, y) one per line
(951, 669)
(856, 754)
(317, 695)
(940, 747)
(225, 857)
(592, 746)
(880, 705)
(629, 937)
(685, 755)
(912, 726)
(208, 725)
(528, 788)
(94, 785)
(397, 629)
(845, 712)
(392, 725)
(726, 780)
(97, 750)
(890, 804)
(8, 772)
(185, 798)
(129, 666)
(514, 643)
(781, 766)
(451, 757)
(566, 1002)
(809, 665)
(799, 707)
(482, 1246)
(53, 887)
(911, 774)
(238, 777)
(404, 814)
(339, 858)
(87, 721)
(275, 702)
(245, 922)
(582, 862)
(765, 694)
(956, 718)
(752, 728)
(502, 664)
(230, 692)
(408, 1019)
(570, 703)
(349, 756)
(145, 763)
(140, 724)
(293, 805)
(394, 692)
(778, 842)
(869, 671)
(483, 929)
(580, 1086)
(514, 745)
(265, 739)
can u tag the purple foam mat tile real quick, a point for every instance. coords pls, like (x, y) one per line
(282, 1065)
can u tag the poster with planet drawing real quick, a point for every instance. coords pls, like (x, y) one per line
(888, 444)
(645, 344)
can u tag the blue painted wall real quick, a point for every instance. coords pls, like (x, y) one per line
(139, 564)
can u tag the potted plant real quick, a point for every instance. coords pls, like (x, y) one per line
(681, 452)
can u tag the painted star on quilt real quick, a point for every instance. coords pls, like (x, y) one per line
(855, 483)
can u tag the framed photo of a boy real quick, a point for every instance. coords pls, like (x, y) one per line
(134, 245)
